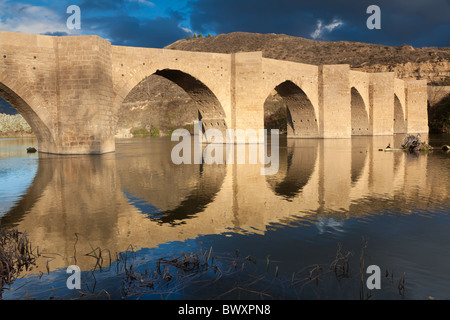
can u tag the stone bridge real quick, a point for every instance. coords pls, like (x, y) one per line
(69, 89)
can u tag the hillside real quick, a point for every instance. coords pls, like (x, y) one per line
(430, 63)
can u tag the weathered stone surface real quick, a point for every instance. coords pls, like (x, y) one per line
(70, 90)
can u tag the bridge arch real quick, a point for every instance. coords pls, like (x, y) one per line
(359, 114)
(399, 116)
(43, 134)
(301, 117)
(210, 110)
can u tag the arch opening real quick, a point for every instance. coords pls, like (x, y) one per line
(39, 128)
(289, 109)
(167, 100)
(359, 116)
(399, 118)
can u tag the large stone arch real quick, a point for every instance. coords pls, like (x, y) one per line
(359, 114)
(302, 120)
(210, 110)
(399, 116)
(42, 131)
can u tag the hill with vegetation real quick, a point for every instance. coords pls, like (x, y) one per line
(430, 63)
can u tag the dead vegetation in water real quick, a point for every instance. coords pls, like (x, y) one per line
(16, 255)
(252, 279)
(190, 275)
(169, 275)
(414, 143)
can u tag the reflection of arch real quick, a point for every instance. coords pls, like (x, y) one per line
(301, 117)
(43, 177)
(359, 115)
(399, 117)
(297, 163)
(39, 128)
(171, 193)
(359, 149)
(210, 110)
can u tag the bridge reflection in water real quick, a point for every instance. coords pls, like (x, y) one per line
(137, 197)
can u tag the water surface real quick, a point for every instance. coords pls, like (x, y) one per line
(267, 232)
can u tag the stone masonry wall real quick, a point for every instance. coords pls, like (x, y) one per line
(85, 95)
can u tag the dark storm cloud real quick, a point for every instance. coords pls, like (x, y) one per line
(416, 22)
(130, 31)
(102, 5)
(115, 20)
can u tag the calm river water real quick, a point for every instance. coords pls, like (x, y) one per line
(124, 217)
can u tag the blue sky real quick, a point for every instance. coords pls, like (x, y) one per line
(155, 23)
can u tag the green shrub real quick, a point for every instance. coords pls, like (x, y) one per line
(141, 132)
(154, 131)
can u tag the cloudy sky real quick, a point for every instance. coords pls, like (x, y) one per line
(157, 23)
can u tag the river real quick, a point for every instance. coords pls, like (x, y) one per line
(124, 217)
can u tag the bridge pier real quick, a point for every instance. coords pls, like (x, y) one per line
(85, 94)
(381, 93)
(247, 105)
(334, 101)
(416, 115)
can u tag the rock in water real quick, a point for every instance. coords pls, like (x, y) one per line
(31, 150)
